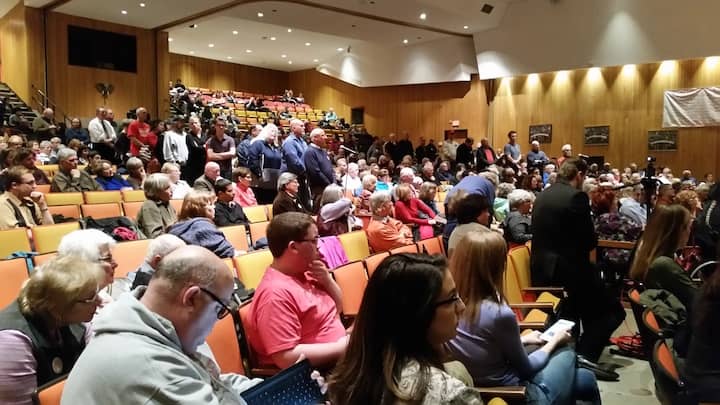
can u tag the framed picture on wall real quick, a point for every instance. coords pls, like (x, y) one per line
(541, 133)
(663, 140)
(598, 135)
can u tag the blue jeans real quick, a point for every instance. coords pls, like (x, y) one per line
(560, 382)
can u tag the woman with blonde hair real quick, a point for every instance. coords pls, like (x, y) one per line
(43, 332)
(488, 340)
(409, 209)
(195, 224)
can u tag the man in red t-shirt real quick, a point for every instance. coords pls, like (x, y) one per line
(140, 134)
(296, 307)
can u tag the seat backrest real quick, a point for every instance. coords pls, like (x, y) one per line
(177, 204)
(412, 248)
(432, 246)
(255, 213)
(223, 341)
(355, 245)
(47, 237)
(39, 260)
(372, 262)
(43, 188)
(129, 255)
(13, 273)
(352, 280)
(102, 210)
(133, 195)
(67, 211)
(520, 258)
(251, 267)
(230, 263)
(269, 210)
(512, 290)
(50, 393)
(236, 235)
(258, 230)
(64, 198)
(102, 197)
(131, 209)
(13, 240)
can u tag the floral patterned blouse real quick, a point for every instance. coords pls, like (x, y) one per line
(612, 226)
(442, 389)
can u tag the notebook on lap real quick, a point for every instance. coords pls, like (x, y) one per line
(292, 386)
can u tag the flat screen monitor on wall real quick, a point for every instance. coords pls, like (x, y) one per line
(102, 49)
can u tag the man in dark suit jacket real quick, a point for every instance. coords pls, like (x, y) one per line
(563, 237)
(318, 167)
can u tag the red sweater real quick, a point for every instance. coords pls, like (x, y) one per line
(408, 212)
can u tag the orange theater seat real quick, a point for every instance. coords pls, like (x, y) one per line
(13, 240)
(13, 274)
(104, 210)
(223, 340)
(50, 393)
(372, 262)
(47, 237)
(352, 280)
(129, 256)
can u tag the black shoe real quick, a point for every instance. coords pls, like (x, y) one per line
(601, 373)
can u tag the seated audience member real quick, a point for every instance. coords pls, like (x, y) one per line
(395, 354)
(136, 172)
(689, 199)
(69, 178)
(428, 173)
(26, 157)
(351, 181)
(500, 206)
(428, 192)
(443, 173)
(532, 183)
(206, 182)
(195, 225)
(43, 332)
(516, 225)
(610, 225)
(654, 265)
(45, 154)
(156, 214)
(179, 187)
(631, 204)
(160, 328)
(410, 210)
(666, 195)
(384, 182)
(287, 195)
(76, 131)
(93, 246)
(227, 211)
(369, 186)
(472, 213)
(296, 308)
(702, 363)
(244, 195)
(335, 215)
(384, 232)
(488, 340)
(157, 249)
(21, 205)
(108, 179)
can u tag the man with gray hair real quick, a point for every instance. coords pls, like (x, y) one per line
(293, 149)
(69, 178)
(206, 182)
(44, 126)
(319, 168)
(631, 204)
(385, 232)
(145, 348)
(157, 249)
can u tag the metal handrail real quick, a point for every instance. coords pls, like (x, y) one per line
(45, 102)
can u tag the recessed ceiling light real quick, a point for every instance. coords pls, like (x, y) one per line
(289, 29)
(261, 15)
(465, 27)
(307, 44)
(142, 4)
(235, 32)
(405, 41)
(123, 11)
(211, 45)
(340, 49)
(170, 39)
(272, 38)
(316, 60)
(283, 56)
(192, 52)
(248, 51)
(229, 57)
(423, 16)
(289, 62)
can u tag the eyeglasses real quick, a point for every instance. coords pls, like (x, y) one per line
(224, 309)
(31, 182)
(94, 298)
(452, 300)
(314, 240)
(106, 259)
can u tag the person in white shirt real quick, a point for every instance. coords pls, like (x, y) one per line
(175, 147)
(102, 135)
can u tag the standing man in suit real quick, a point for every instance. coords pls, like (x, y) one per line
(319, 168)
(293, 149)
(563, 236)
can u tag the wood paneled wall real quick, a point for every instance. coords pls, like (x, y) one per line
(628, 99)
(423, 110)
(217, 75)
(73, 87)
(21, 50)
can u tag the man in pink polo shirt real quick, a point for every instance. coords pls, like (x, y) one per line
(295, 309)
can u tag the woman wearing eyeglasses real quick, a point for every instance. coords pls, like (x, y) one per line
(488, 340)
(94, 246)
(395, 355)
(43, 332)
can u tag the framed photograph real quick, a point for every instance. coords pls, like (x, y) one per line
(541, 133)
(597, 135)
(663, 140)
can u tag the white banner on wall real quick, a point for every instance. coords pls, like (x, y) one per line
(692, 108)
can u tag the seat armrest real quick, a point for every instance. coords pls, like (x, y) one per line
(532, 305)
(513, 392)
(531, 325)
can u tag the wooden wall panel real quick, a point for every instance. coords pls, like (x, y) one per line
(629, 99)
(21, 50)
(73, 87)
(423, 110)
(217, 75)
(162, 49)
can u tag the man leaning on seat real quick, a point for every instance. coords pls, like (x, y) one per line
(69, 178)
(21, 205)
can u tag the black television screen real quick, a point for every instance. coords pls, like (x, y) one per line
(102, 49)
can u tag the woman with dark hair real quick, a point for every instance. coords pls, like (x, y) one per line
(488, 341)
(195, 224)
(395, 355)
